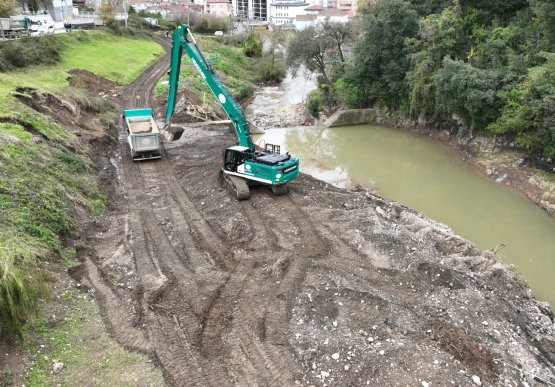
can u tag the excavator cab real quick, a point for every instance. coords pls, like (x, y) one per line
(234, 157)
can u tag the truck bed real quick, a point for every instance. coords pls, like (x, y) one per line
(142, 125)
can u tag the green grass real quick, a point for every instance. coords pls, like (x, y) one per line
(119, 59)
(75, 335)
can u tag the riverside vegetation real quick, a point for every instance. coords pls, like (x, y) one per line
(486, 65)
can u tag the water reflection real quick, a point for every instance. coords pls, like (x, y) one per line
(431, 178)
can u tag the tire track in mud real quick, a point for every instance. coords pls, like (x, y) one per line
(131, 338)
(255, 348)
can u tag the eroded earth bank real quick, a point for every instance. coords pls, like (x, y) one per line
(321, 287)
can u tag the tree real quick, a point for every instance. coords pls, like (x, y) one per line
(107, 11)
(529, 110)
(545, 13)
(438, 36)
(6, 8)
(380, 62)
(468, 92)
(203, 26)
(340, 33)
(272, 65)
(312, 48)
(253, 45)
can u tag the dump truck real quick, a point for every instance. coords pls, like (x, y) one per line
(142, 134)
(14, 27)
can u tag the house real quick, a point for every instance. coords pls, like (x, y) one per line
(333, 14)
(155, 9)
(139, 5)
(283, 12)
(182, 11)
(303, 21)
(217, 7)
(313, 10)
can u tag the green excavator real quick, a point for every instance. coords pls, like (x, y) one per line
(243, 164)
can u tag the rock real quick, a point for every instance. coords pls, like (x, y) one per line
(56, 367)
(425, 384)
(476, 380)
(380, 211)
(324, 374)
(335, 356)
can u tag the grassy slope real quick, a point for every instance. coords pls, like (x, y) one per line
(41, 184)
(115, 58)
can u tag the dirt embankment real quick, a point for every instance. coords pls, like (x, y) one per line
(320, 287)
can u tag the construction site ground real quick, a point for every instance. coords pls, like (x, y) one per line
(319, 287)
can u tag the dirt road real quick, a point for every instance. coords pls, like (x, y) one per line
(321, 287)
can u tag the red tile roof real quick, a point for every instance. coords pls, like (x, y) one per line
(314, 8)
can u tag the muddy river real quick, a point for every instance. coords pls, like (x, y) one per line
(431, 178)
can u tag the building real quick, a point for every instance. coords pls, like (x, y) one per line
(333, 14)
(303, 21)
(155, 9)
(256, 10)
(183, 11)
(314, 9)
(139, 5)
(217, 8)
(283, 12)
(346, 5)
(61, 9)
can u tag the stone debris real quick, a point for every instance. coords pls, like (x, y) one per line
(56, 367)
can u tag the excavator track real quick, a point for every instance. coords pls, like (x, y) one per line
(279, 190)
(236, 186)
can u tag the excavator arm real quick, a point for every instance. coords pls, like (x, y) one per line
(183, 40)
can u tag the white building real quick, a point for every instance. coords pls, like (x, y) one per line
(283, 12)
(333, 14)
(139, 5)
(303, 21)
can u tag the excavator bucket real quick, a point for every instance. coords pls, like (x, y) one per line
(173, 133)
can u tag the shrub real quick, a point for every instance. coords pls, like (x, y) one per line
(314, 103)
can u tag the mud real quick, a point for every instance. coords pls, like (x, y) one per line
(320, 287)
